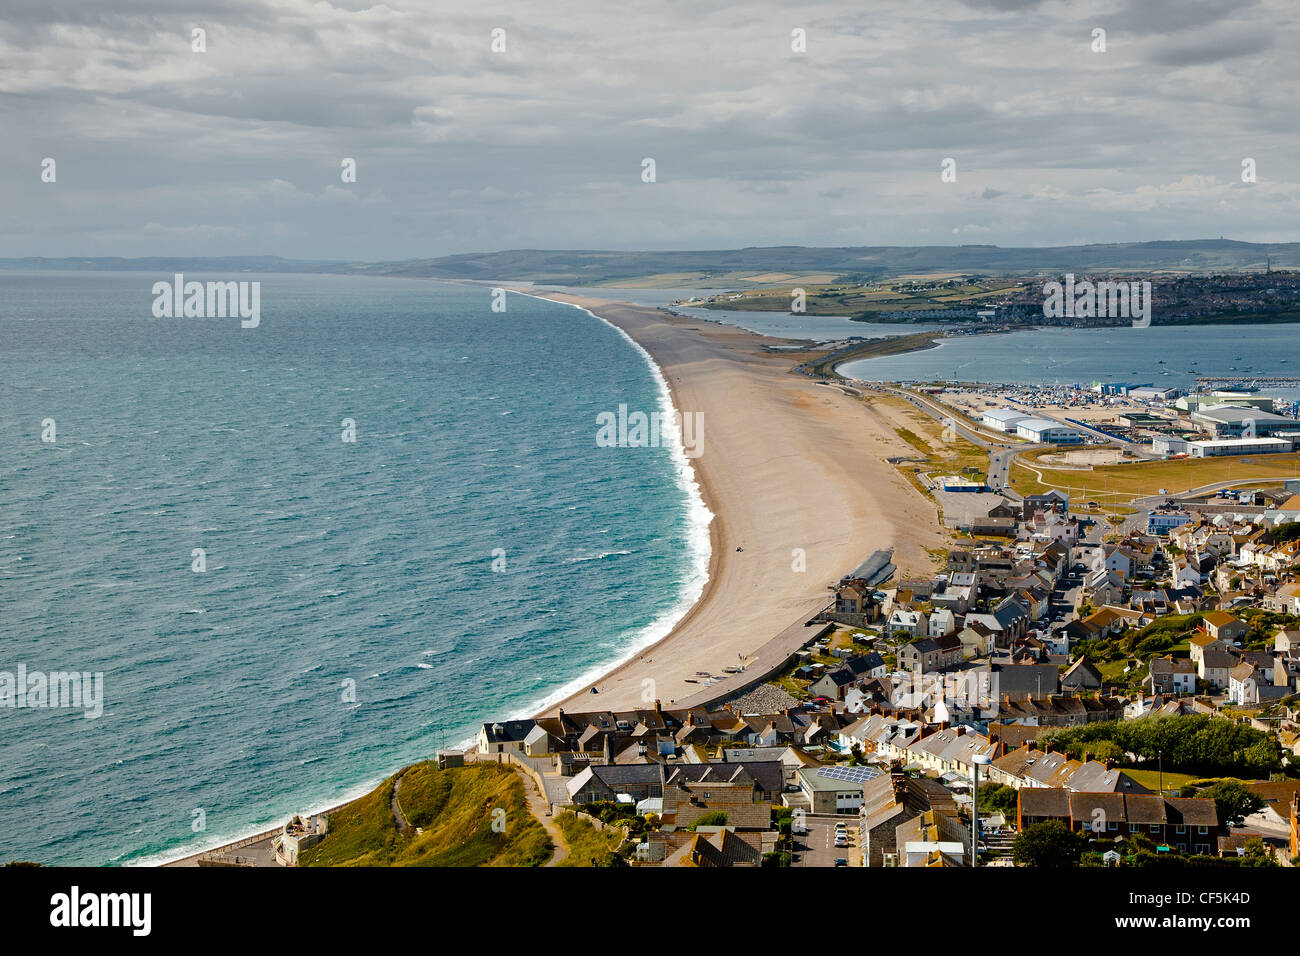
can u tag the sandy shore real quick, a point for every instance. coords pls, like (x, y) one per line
(787, 464)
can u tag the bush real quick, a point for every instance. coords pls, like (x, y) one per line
(1050, 845)
(714, 818)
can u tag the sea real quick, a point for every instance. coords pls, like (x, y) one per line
(305, 554)
(1168, 356)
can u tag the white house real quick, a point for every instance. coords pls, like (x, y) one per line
(942, 623)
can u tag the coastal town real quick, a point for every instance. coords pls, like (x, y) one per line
(1076, 684)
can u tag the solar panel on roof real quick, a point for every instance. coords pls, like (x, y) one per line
(849, 774)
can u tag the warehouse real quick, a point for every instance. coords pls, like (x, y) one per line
(1238, 446)
(1046, 430)
(1231, 421)
(1003, 419)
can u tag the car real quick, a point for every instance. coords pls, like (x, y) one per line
(841, 841)
(840, 861)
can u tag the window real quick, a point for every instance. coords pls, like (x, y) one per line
(1112, 825)
(1203, 848)
(1202, 830)
(1182, 828)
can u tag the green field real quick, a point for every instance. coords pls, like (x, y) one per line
(1113, 484)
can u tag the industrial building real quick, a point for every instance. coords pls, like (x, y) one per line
(1169, 445)
(1153, 393)
(1047, 431)
(1004, 419)
(1238, 446)
(958, 483)
(1232, 421)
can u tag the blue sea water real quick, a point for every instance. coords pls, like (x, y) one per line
(1169, 356)
(327, 561)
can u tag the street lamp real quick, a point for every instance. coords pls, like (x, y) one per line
(979, 760)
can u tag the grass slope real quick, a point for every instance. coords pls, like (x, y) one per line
(454, 809)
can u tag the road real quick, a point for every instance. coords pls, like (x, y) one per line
(1000, 455)
(817, 846)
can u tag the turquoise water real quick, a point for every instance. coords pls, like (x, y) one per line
(1168, 356)
(326, 561)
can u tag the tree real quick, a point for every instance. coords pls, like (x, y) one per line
(1050, 845)
(997, 798)
(1233, 802)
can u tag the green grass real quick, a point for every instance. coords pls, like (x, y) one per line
(1110, 484)
(455, 808)
(586, 843)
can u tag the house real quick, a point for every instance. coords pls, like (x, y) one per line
(1243, 684)
(691, 791)
(942, 623)
(1168, 675)
(1201, 643)
(1286, 640)
(1024, 680)
(834, 684)
(1189, 825)
(716, 847)
(909, 623)
(504, 735)
(1286, 598)
(1286, 671)
(833, 789)
(930, 654)
(932, 839)
(1214, 667)
(1222, 626)
(976, 640)
(599, 783)
(1081, 676)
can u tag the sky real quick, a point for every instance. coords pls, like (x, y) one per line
(160, 149)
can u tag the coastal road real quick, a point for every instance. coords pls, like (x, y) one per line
(1001, 454)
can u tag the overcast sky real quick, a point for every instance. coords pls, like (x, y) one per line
(236, 151)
